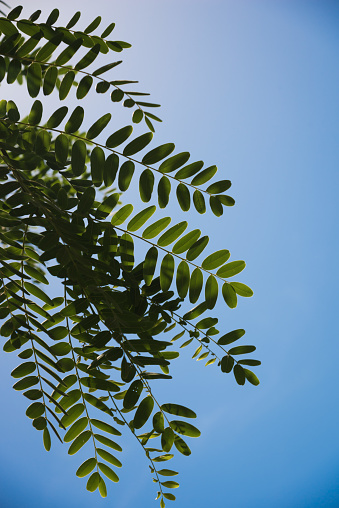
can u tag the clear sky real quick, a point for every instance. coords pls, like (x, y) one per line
(252, 86)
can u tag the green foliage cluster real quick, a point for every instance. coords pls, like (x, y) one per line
(89, 356)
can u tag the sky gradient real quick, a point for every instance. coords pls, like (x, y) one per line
(251, 86)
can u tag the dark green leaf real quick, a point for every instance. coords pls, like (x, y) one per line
(92, 26)
(216, 206)
(66, 84)
(34, 77)
(205, 175)
(23, 370)
(98, 126)
(84, 86)
(75, 120)
(105, 427)
(76, 429)
(35, 113)
(218, 187)
(47, 439)
(231, 269)
(189, 170)
(241, 350)
(216, 259)
(196, 283)
(108, 442)
(167, 439)
(138, 144)
(132, 395)
(137, 115)
(183, 279)
(79, 442)
(157, 154)
(61, 148)
(127, 252)
(109, 457)
(186, 241)
(199, 201)
(143, 412)
(57, 117)
(164, 189)
(121, 215)
(74, 20)
(211, 292)
(227, 363)
(146, 183)
(35, 410)
(97, 165)
(125, 175)
(239, 374)
(79, 152)
(181, 446)
(166, 272)
(88, 58)
(176, 409)
(230, 337)
(229, 295)
(118, 137)
(158, 422)
(86, 467)
(150, 264)
(156, 228)
(140, 218)
(196, 249)
(69, 52)
(184, 197)
(172, 234)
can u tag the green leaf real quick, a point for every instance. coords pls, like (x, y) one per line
(205, 175)
(167, 472)
(211, 291)
(84, 86)
(88, 58)
(86, 467)
(199, 201)
(143, 412)
(170, 485)
(251, 377)
(181, 446)
(167, 439)
(39, 293)
(230, 337)
(216, 259)
(196, 249)
(169, 496)
(75, 120)
(250, 362)
(189, 170)
(76, 429)
(86, 201)
(79, 153)
(98, 126)
(35, 113)
(117, 95)
(57, 117)
(61, 148)
(52, 17)
(227, 363)
(158, 422)
(231, 269)
(206, 323)
(195, 312)
(109, 457)
(74, 20)
(138, 115)
(111, 475)
(183, 279)
(166, 272)
(69, 52)
(7, 28)
(14, 13)
(132, 395)
(186, 241)
(26, 382)
(108, 442)
(164, 189)
(150, 264)
(13, 70)
(216, 206)
(146, 183)
(92, 26)
(108, 30)
(156, 228)
(229, 295)
(174, 162)
(157, 154)
(79, 442)
(35, 410)
(172, 234)
(47, 439)
(118, 137)
(97, 165)
(218, 187)
(138, 144)
(239, 374)
(242, 289)
(108, 204)
(140, 218)
(121, 215)
(66, 84)
(127, 251)
(241, 350)
(196, 283)
(105, 427)
(184, 197)
(36, 274)
(34, 78)
(47, 50)
(23, 370)
(177, 409)
(125, 175)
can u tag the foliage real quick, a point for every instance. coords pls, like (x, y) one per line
(89, 356)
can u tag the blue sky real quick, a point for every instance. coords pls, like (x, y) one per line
(251, 86)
